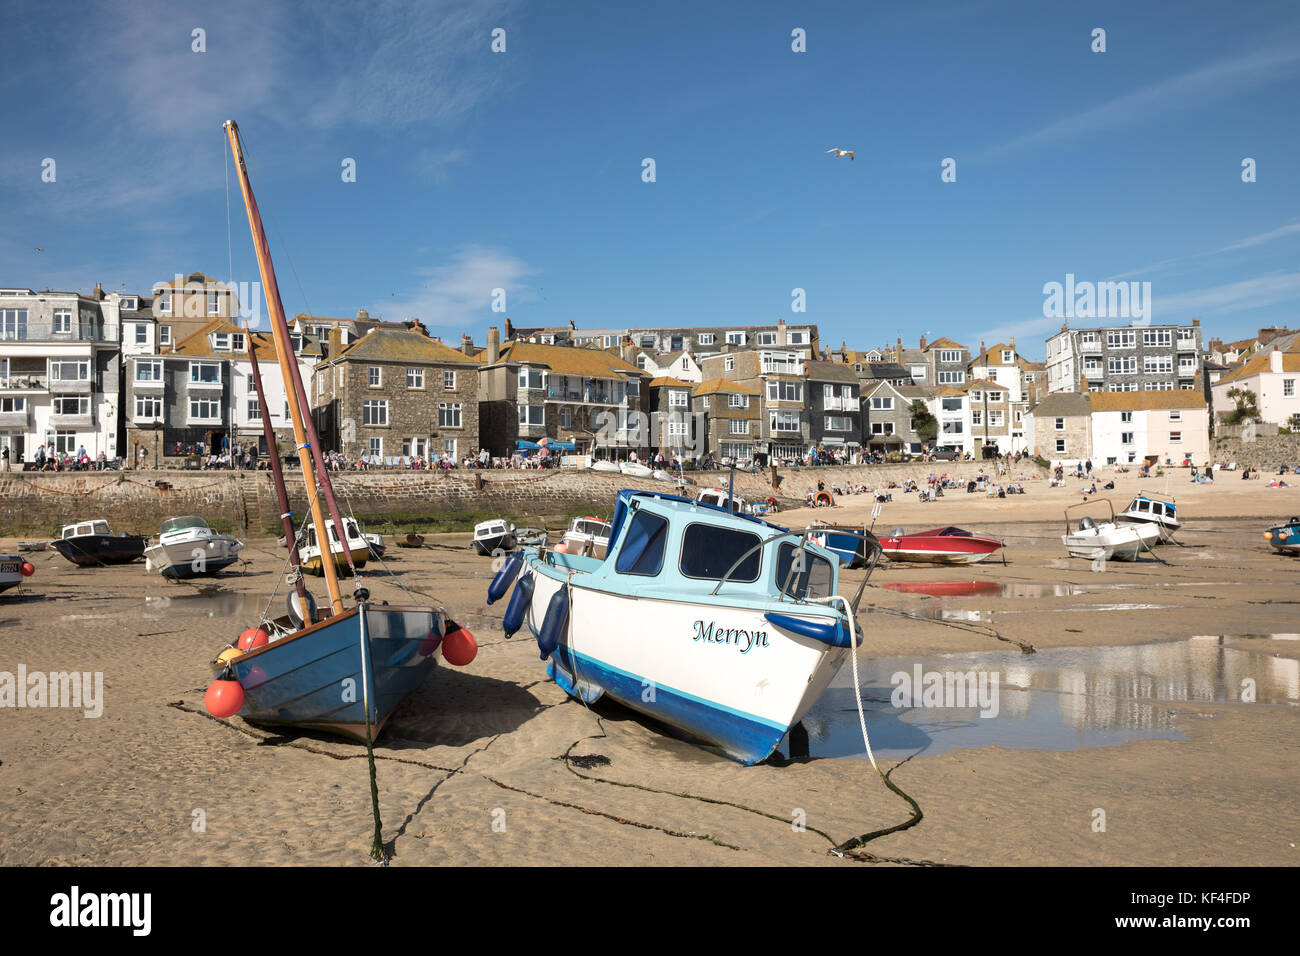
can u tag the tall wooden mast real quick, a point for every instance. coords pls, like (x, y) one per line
(303, 430)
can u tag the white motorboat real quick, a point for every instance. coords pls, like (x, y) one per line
(188, 548)
(494, 537)
(734, 625)
(587, 536)
(1107, 540)
(719, 498)
(1150, 507)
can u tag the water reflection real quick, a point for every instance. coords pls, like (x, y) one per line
(1060, 699)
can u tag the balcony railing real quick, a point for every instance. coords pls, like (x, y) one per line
(18, 380)
(36, 331)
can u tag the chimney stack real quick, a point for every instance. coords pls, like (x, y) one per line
(362, 314)
(510, 330)
(1275, 361)
(922, 343)
(494, 345)
(467, 344)
(99, 291)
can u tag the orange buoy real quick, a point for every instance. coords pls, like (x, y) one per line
(27, 570)
(228, 655)
(224, 698)
(253, 637)
(561, 548)
(459, 647)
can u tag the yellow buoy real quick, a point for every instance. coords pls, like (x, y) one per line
(228, 655)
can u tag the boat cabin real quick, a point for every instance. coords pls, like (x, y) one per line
(718, 498)
(85, 529)
(355, 539)
(672, 547)
(186, 523)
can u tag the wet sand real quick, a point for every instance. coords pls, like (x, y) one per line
(471, 769)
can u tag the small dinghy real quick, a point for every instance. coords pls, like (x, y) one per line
(636, 470)
(604, 466)
(375, 542)
(1285, 537)
(411, 540)
(493, 537)
(1107, 540)
(948, 545)
(91, 544)
(1150, 507)
(188, 548)
(733, 624)
(13, 569)
(531, 537)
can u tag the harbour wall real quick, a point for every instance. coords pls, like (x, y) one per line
(38, 504)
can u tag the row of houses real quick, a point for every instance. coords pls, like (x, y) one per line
(166, 375)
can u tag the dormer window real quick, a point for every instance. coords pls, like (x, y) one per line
(129, 303)
(165, 302)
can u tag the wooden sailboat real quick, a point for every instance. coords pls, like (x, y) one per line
(339, 669)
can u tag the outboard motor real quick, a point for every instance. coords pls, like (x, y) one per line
(1087, 524)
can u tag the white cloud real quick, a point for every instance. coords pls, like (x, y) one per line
(459, 293)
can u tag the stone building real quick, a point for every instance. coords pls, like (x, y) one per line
(834, 415)
(1059, 428)
(583, 400)
(397, 393)
(887, 418)
(187, 303)
(676, 432)
(731, 413)
(784, 429)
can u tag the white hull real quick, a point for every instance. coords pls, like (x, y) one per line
(636, 471)
(1116, 542)
(192, 557)
(649, 654)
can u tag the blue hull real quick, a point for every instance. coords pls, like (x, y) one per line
(742, 737)
(313, 679)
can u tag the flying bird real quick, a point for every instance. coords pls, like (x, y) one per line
(40, 249)
(841, 153)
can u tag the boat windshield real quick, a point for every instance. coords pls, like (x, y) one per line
(100, 527)
(709, 551)
(181, 524)
(812, 576)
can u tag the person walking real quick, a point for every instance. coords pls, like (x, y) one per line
(5, 453)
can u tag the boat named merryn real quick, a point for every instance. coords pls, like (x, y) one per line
(722, 626)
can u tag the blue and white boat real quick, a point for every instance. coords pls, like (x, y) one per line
(852, 545)
(721, 625)
(313, 677)
(188, 548)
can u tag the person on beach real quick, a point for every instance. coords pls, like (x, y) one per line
(5, 453)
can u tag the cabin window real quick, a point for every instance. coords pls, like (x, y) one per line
(709, 551)
(642, 551)
(811, 578)
(1144, 506)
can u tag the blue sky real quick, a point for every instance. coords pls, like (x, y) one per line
(523, 170)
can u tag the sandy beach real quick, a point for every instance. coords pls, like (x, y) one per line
(1120, 692)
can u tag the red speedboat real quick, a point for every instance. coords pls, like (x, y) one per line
(941, 546)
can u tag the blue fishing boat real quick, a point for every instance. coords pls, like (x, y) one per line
(337, 668)
(312, 677)
(1285, 537)
(720, 625)
(1153, 508)
(852, 545)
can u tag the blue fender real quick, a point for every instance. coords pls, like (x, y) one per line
(555, 623)
(501, 583)
(833, 632)
(518, 606)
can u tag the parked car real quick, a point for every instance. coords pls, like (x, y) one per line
(945, 454)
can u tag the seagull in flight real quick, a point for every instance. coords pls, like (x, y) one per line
(40, 248)
(841, 153)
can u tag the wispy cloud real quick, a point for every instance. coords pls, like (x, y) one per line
(1147, 272)
(459, 293)
(1269, 289)
(1193, 88)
